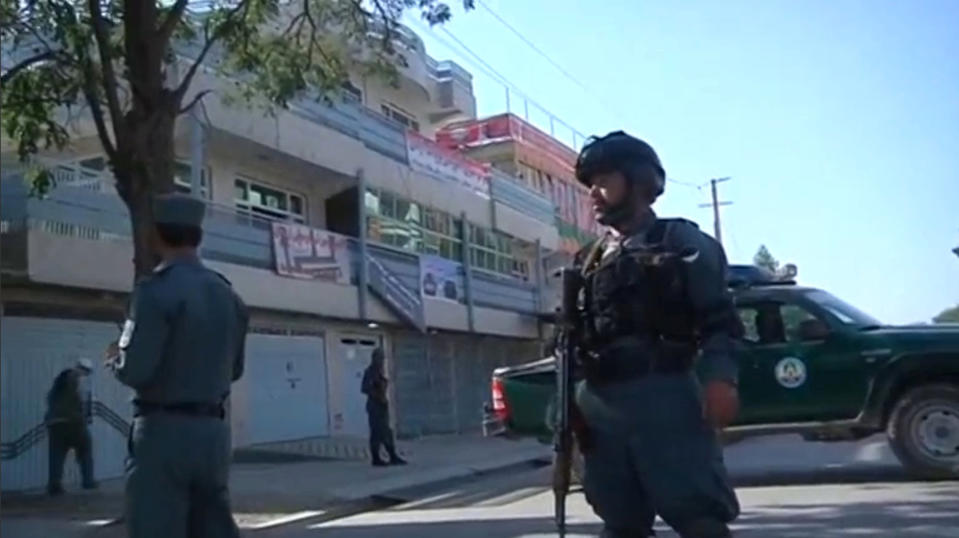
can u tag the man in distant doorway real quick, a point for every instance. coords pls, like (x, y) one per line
(378, 411)
(66, 420)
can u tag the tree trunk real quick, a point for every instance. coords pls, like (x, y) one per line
(143, 170)
(140, 206)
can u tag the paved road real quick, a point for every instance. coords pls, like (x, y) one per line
(519, 505)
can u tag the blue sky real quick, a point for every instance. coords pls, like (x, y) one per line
(837, 120)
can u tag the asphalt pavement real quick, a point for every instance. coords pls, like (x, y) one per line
(519, 504)
(787, 488)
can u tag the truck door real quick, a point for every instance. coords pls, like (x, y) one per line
(792, 369)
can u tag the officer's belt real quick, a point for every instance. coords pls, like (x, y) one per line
(633, 359)
(196, 409)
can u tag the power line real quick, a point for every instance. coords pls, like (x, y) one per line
(549, 59)
(686, 183)
(531, 45)
(491, 71)
(482, 65)
(505, 81)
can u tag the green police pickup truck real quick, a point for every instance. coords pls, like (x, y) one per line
(809, 364)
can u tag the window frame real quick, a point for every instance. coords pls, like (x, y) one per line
(399, 116)
(790, 338)
(438, 233)
(246, 207)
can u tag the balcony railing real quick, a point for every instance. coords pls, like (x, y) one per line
(230, 236)
(509, 191)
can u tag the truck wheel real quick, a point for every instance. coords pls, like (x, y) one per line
(923, 431)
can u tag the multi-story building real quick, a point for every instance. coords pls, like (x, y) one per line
(540, 162)
(343, 226)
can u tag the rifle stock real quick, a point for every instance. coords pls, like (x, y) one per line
(565, 356)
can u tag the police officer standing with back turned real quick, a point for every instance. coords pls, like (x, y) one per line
(180, 349)
(654, 303)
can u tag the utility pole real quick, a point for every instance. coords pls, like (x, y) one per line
(717, 226)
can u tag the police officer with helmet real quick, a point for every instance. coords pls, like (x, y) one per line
(181, 348)
(654, 308)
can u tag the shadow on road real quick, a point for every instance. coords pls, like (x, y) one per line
(932, 515)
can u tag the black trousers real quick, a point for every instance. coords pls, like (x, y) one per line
(63, 437)
(381, 435)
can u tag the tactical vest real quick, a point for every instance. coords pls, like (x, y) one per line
(638, 294)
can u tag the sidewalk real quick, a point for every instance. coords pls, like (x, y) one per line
(265, 493)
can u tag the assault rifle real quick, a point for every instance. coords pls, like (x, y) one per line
(566, 348)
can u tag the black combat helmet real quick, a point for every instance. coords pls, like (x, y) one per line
(618, 152)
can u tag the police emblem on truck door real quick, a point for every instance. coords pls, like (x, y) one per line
(790, 372)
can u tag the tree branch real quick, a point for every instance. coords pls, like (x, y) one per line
(110, 82)
(90, 92)
(199, 97)
(210, 41)
(12, 72)
(172, 19)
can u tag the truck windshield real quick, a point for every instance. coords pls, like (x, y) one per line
(846, 313)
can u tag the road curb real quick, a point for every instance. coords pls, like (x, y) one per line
(349, 504)
(430, 476)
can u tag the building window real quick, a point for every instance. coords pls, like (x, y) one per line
(492, 251)
(399, 222)
(269, 202)
(183, 179)
(403, 118)
(403, 223)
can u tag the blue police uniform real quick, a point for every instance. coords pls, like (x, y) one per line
(650, 450)
(181, 348)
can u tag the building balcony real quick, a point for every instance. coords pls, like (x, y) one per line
(79, 237)
(448, 87)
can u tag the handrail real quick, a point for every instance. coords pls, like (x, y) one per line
(13, 449)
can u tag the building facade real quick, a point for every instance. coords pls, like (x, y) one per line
(344, 227)
(518, 149)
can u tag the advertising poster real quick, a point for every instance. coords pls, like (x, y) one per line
(439, 278)
(304, 252)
